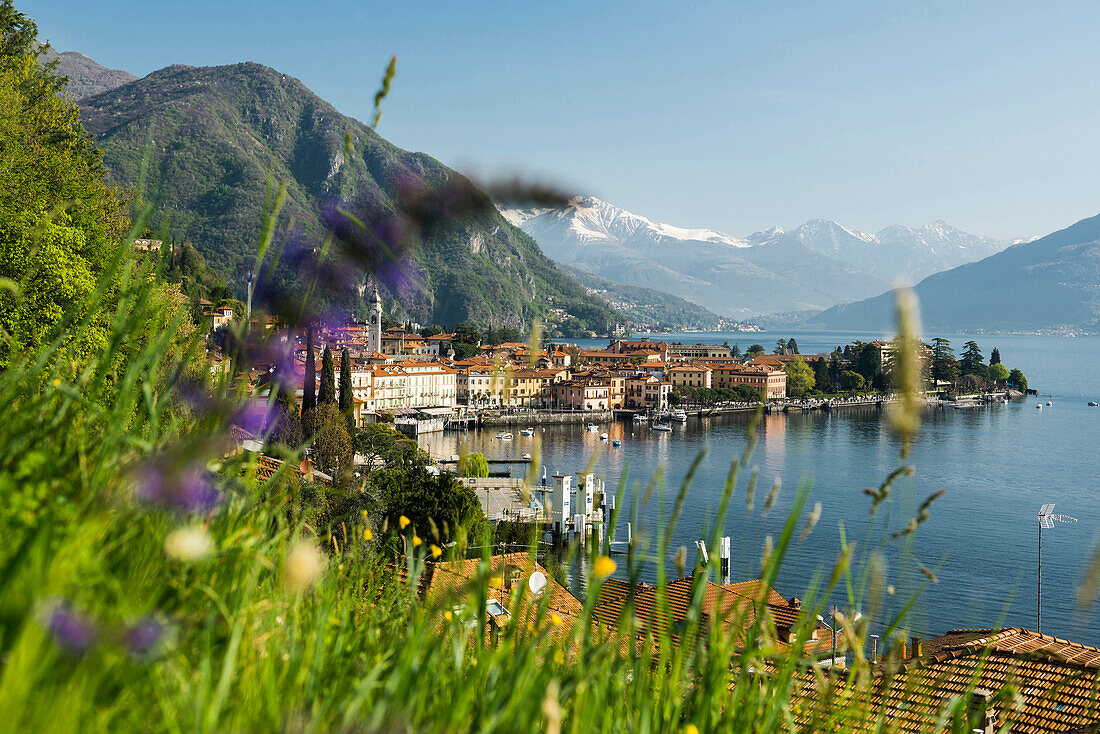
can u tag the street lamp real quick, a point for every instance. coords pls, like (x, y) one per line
(1046, 520)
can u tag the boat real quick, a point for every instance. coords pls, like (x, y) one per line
(639, 418)
(592, 428)
(664, 427)
(503, 437)
(527, 456)
(1050, 402)
(527, 432)
(616, 443)
(1039, 406)
(679, 416)
(1093, 403)
(603, 436)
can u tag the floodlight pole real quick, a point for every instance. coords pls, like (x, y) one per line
(1039, 586)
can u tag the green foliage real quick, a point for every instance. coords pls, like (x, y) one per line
(754, 350)
(60, 222)
(473, 465)
(995, 356)
(800, 378)
(972, 361)
(326, 395)
(347, 396)
(309, 387)
(852, 381)
(440, 508)
(463, 351)
(332, 447)
(998, 372)
(1017, 380)
(210, 177)
(944, 367)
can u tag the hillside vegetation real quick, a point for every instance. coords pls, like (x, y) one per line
(198, 144)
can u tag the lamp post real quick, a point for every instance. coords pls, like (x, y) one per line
(1046, 520)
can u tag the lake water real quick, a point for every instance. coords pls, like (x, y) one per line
(996, 465)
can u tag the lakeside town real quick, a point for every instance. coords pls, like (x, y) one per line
(416, 379)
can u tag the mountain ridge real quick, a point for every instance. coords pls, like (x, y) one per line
(209, 136)
(1048, 284)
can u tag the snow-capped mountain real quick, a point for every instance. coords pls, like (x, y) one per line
(896, 253)
(816, 265)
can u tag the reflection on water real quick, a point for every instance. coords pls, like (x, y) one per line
(997, 466)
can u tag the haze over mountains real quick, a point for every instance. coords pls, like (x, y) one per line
(1052, 283)
(815, 266)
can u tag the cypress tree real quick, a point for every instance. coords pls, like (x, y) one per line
(327, 393)
(995, 356)
(346, 401)
(309, 394)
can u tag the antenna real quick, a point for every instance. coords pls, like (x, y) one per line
(1046, 520)
(536, 583)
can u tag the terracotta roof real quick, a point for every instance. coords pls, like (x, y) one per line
(1054, 685)
(735, 605)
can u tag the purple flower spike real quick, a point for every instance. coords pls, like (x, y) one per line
(187, 488)
(73, 632)
(195, 493)
(144, 637)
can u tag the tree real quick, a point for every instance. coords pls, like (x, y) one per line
(463, 350)
(1017, 380)
(800, 378)
(466, 334)
(972, 361)
(288, 428)
(792, 346)
(822, 381)
(944, 367)
(61, 222)
(473, 465)
(438, 502)
(868, 361)
(309, 386)
(332, 447)
(852, 381)
(780, 346)
(754, 349)
(327, 392)
(997, 372)
(735, 351)
(995, 356)
(347, 397)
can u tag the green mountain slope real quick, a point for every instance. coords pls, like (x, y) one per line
(205, 139)
(1052, 283)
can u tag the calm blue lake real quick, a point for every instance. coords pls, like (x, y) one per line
(996, 465)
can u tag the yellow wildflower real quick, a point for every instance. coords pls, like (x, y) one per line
(403, 522)
(448, 615)
(603, 567)
(556, 620)
(436, 551)
(416, 540)
(368, 535)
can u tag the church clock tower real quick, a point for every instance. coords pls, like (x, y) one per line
(374, 337)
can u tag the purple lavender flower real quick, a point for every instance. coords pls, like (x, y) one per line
(186, 487)
(144, 637)
(73, 632)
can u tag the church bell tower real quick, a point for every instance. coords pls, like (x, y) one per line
(374, 338)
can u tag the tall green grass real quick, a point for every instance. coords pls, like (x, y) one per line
(127, 603)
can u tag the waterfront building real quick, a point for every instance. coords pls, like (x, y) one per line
(583, 394)
(647, 392)
(689, 375)
(697, 351)
(772, 383)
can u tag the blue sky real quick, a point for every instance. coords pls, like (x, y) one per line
(730, 115)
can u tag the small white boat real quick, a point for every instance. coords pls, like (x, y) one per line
(503, 437)
(679, 416)
(527, 456)
(603, 436)
(592, 428)
(1093, 403)
(1039, 406)
(1050, 403)
(639, 418)
(527, 432)
(663, 427)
